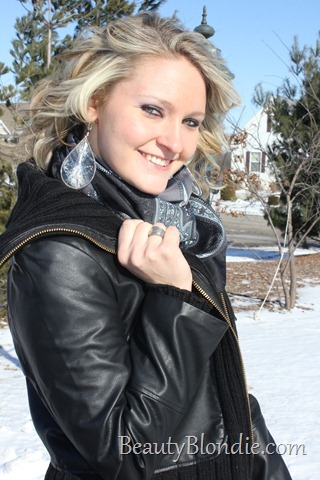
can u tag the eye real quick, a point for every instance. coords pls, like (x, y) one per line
(152, 110)
(192, 122)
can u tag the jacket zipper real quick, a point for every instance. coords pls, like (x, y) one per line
(226, 316)
(54, 230)
(207, 297)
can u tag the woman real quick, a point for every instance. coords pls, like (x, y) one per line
(116, 295)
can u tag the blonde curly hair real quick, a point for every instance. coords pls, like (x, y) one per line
(102, 57)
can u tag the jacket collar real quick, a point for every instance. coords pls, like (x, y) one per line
(45, 207)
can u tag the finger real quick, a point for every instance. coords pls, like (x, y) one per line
(127, 231)
(156, 234)
(171, 238)
(141, 234)
(125, 238)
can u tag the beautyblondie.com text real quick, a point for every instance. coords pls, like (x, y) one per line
(198, 445)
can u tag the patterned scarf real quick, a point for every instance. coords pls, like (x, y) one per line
(201, 231)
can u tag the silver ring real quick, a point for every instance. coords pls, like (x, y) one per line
(155, 230)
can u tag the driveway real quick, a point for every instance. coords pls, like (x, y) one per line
(248, 230)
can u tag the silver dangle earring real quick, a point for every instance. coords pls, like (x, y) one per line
(196, 189)
(79, 167)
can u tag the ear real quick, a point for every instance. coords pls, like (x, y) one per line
(92, 110)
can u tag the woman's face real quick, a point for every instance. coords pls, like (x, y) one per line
(149, 126)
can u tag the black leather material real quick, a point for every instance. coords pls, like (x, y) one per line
(267, 463)
(147, 371)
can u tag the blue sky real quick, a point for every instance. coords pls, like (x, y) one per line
(253, 36)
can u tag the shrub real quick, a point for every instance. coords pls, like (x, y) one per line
(274, 200)
(228, 193)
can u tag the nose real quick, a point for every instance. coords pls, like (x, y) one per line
(170, 137)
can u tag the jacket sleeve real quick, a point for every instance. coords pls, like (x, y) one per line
(100, 388)
(267, 463)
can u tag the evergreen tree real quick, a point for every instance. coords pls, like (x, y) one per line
(101, 12)
(37, 43)
(7, 92)
(7, 196)
(294, 111)
(48, 27)
(7, 193)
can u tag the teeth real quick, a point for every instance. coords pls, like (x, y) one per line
(158, 161)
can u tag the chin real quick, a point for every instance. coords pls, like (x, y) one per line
(152, 189)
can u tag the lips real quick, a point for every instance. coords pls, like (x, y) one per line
(162, 162)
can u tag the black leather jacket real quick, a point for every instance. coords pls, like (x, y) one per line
(108, 358)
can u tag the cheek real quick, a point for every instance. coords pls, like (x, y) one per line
(139, 133)
(190, 145)
(130, 133)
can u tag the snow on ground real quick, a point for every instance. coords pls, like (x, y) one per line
(22, 455)
(239, 254)
(282, 357)
(246, 207)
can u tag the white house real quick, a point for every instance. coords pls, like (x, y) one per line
(248, 149)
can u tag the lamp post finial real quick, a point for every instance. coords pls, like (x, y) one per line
(206, 30)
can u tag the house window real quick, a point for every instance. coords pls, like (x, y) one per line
(255, 162)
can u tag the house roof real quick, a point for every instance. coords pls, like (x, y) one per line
(4, 130)
(7, 120)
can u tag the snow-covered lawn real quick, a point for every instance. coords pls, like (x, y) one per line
(22, 455)
(282, 355)
(281, 351)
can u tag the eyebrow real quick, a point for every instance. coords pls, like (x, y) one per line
(168, 104)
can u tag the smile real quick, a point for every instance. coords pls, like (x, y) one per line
(156, 160)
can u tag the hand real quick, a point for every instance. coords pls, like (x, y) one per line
(152, 258)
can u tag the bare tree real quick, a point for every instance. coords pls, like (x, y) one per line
(293, 158)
